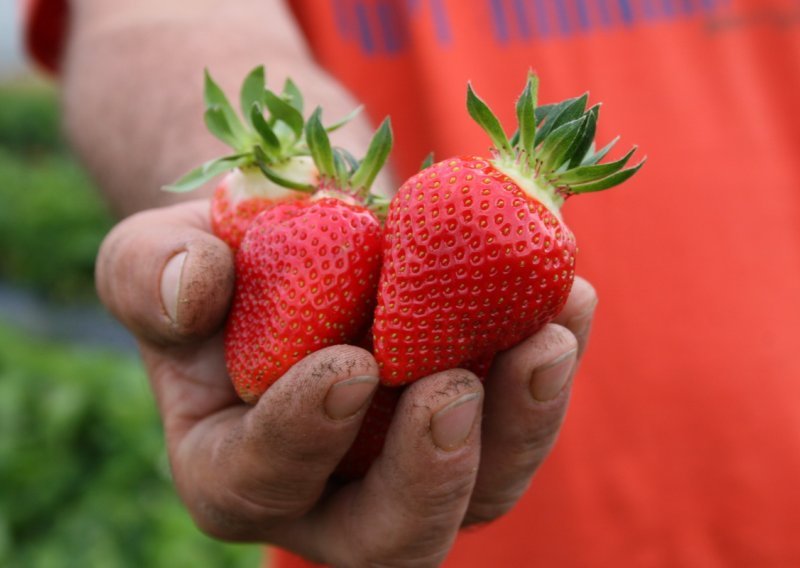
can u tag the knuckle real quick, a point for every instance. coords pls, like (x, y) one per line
(525, 452)
(296, 464)
(414, 549)
(491, 501)
(231, 517)
(484, 510)
(261, 483)
(444, 496)
(536, 441)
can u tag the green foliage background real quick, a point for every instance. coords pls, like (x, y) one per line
(51, 220)
(84, 479)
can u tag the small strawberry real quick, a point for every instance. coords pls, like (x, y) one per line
(271, 163)
(307, 271)
(476, 255)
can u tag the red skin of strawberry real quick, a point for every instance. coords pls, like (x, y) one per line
(472, 265)
(306, 276)
(232, 215)
(228, 221)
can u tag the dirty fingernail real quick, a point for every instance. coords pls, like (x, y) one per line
(171, 284)
(451, 425)
(346, 398)
(548, 381)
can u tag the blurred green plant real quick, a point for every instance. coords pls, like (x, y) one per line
(51, 219)
(51, 226)
(83, 475)
(29, 118)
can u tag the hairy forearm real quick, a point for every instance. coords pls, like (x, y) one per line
(132, 85)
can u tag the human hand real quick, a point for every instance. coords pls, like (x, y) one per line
(457, 453)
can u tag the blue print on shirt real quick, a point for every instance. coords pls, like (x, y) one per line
(540, 20)
(384, 27)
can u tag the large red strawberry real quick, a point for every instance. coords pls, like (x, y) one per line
(307, 271)
(271, 162)
(477, 255)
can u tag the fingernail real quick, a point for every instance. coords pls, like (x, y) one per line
(347, 397)
(451, 425)
(549, 380)
(171, 284)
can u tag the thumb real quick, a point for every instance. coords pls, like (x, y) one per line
(165, 276)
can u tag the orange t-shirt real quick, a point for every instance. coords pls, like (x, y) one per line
(682, 444)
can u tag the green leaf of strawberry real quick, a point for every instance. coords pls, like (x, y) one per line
(283, 113)
(381, 145)
(526, 117)
(347, 118)
(584, 174)
(205, 173)
(269, 141)
(292, 95)
(483, 115)
(271, 144)
(338, 169)
(252, 93)
(217, 103)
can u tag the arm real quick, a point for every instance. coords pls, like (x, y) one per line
(132, 81)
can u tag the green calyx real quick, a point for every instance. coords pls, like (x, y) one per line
(340, 172)
(271, 131)
(553, 145)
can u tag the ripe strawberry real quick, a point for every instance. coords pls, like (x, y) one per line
(476, 255)
(271, 163)
(307, 271)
